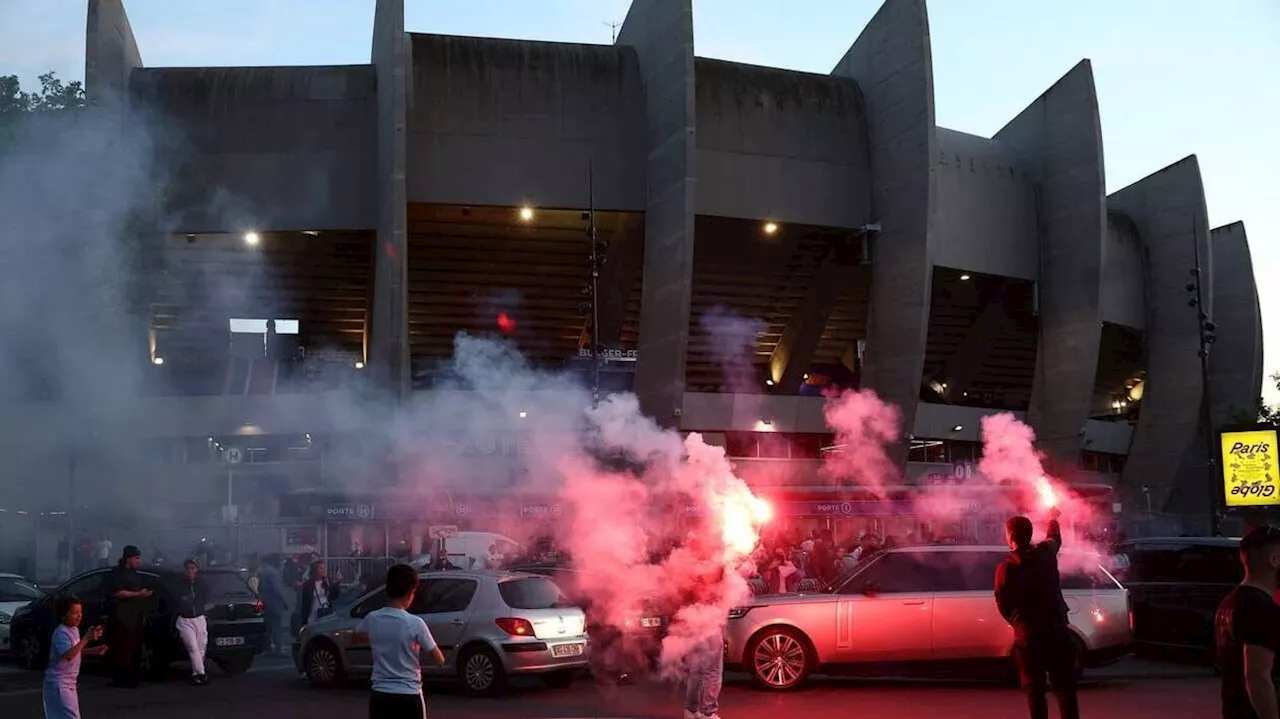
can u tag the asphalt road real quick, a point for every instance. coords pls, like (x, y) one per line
(272, 689)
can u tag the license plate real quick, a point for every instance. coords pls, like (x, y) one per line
(567, 650)
(228, 641)
(650, 622)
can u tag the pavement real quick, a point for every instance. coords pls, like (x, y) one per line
(1131, 688)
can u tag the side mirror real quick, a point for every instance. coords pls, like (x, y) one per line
(871, 588)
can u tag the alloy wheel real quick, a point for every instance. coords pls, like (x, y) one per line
(779, 660)
(322, 665)
(478, 672)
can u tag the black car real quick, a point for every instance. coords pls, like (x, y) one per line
(1176, 584)
(237, 632)
(616, 651)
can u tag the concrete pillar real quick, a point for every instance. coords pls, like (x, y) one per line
(893, 65)
(800, 336)
(1167, 454)
(661, 31)
(1235, 362)
(388, 330)
(110, 55)
(1059, 137)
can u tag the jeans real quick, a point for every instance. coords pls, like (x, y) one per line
(1048, 653)
(706, 675)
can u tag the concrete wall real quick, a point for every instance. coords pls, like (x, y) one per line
(278, 148)
(986, 208)
(1059, 137)
(1168, 209)
(508, 122)
(110, 54)
(1124, 275)
(892, 63)
(786, 146)
(1235, 361)
(388, 334)
(938, 421)
(661, 31)
(712, 411)
(1109, 437)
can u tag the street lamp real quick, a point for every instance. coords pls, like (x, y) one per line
(1207, 336)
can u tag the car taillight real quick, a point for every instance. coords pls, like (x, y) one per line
(259, 607)
(515, 627)
(1128, 605)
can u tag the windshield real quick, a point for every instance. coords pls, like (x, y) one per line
(532, 593)
(13, 589)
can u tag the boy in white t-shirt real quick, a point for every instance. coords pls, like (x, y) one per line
(397, 639)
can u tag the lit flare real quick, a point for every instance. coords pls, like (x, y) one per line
(1044, 490)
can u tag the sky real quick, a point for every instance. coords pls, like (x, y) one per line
(1174, 77)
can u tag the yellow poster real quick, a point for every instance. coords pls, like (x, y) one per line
(1249, 474)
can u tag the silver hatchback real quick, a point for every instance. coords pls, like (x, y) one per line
(489, 625)
(912, 606)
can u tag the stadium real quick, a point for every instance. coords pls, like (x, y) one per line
(823, 222)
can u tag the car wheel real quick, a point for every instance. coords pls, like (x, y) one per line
(322, 665)
(562, 679)
(780, 658)
(31, 654)
(482, 673)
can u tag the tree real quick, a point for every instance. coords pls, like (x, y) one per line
(53, 97)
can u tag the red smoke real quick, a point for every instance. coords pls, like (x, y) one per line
(865, 426)
(679, 495)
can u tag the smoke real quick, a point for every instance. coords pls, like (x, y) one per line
(732, 341)
(865, 426)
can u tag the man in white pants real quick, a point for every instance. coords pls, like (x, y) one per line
(192, 599)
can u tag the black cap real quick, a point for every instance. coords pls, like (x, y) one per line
(131, 551)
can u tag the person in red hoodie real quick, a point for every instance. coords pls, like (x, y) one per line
(1029, 594)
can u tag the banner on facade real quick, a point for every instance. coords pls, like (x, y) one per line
(1249, 477)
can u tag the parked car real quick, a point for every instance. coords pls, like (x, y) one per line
(15, 593)
(911, 608)
(489, 625)
(629, 650)
(1176, 584)
(236, 629)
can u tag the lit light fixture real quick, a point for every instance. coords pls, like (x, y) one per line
(764, 425)
(252, 238)
(964, 277)
(523, 414)
(526, 213)
(157, 361)
(806, 376)
(359, 364)
(313, 233)
(770, 228)
(957, 428)
(769, 382)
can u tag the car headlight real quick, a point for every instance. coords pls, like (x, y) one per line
(738, 612)
(5, 618)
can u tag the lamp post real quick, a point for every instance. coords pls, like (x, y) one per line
(1206, 330)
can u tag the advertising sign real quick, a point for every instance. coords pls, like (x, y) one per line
(1249, 476)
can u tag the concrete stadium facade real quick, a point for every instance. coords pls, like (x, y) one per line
(678, 143)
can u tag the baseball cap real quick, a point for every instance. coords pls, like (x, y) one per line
(131, 551)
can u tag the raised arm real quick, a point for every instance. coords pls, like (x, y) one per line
(1053, 533)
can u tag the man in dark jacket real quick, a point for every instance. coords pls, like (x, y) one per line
(131, 600)
(1029, 594)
